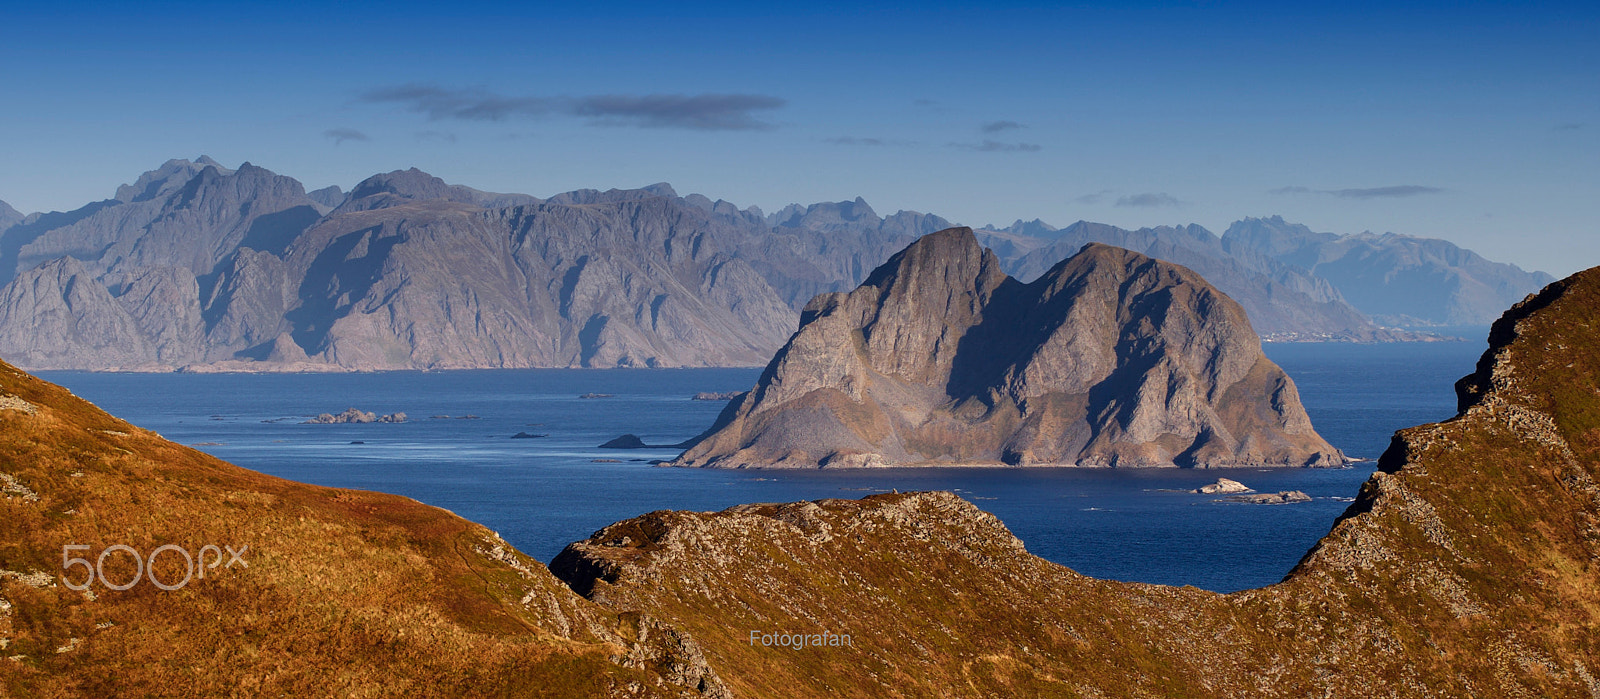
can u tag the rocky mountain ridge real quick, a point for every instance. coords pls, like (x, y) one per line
(1396, 279)
(219, 269)
(1111, 358)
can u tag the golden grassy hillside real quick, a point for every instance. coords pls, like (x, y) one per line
(345, 593)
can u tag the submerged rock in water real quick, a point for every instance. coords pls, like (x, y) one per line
(1279, 498)
(525, 435)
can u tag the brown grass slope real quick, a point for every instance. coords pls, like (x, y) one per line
(346, 593)
(1467, 567)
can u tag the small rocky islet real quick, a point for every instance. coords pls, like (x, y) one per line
(355, 416)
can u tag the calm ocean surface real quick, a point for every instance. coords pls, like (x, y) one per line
(541, 494)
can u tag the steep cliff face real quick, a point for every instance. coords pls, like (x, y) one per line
(58, 315)
(1109, 359)
(1397, 279)
(441, 284)
(216, 268)
(1467, 566)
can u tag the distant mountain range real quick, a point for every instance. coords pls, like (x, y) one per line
(195, 265)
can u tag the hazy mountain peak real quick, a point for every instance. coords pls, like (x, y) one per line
(330, 196)
(583, 197)
(410, 183)
(8, 216)
(171, 176)
(829, 214)
(660, 189)
(699, 201)
(1397, 279)
(393, 188)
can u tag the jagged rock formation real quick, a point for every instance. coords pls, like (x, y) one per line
(339, 591)
(208, 268)
(1109, 359)
(1469, 565)
(57, 314)
(224, 270)
(1397, 279)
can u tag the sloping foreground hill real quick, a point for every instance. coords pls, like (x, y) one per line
(1468, 566)
(339, 593)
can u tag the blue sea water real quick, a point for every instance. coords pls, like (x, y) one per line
(542, 493)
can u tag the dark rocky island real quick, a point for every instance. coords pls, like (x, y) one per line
(1111, 358)
(632, 441)
(1284, 497)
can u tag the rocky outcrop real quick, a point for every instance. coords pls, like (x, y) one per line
(1223, 485)
(1397, 279)
(354, 416)
(1282, 497)
(633, 441)
(1110, 359)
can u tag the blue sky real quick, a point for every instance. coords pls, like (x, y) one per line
(1475, 122)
